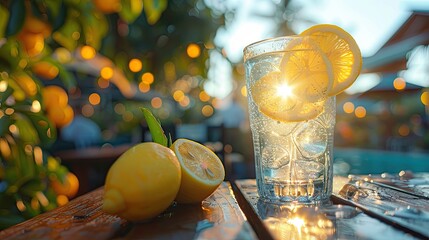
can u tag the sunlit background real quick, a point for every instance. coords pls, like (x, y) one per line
(74, 75)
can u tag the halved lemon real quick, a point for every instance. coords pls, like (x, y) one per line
(341, 50)
(277, 99)
(202, 171)
(307, 70)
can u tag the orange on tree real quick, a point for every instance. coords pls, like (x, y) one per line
(26, 83)
(45, 69)
(33, 43)
(54, 95)
(60, 116)
(107, 6)
(68, 187)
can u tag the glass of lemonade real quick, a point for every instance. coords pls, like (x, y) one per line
(292, 119)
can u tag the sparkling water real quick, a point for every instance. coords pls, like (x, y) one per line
(293, 160)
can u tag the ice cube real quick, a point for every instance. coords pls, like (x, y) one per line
(299, 170)
(311, 138)
(275, 156)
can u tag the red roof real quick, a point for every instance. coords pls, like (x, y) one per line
(392, 56)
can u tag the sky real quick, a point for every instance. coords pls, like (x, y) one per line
(370, 22)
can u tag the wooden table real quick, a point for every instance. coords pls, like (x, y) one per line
(217, 217)
(363, 207)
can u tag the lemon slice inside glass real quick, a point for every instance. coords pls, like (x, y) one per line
(202, 171)
(307, 70)
(277, 100)
(272, 93)
(342, 52)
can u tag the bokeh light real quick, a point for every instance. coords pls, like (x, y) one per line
(193, 50)
(94, 98)
(399, 84)
(127, 116)
(360, 112)
(185, 102)
(204, 97)
(135, 65)
(404, 130)
(178, 95)
(207, 110)
(156, 102)
(36, 106)
(87, 110)
(425, 98)
(103, 83)
(119, 108)
(87, 52)
(348, 107)
(106, 72)
(143, 87)
(148, 78)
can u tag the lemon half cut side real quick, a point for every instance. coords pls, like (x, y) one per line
(202, 171)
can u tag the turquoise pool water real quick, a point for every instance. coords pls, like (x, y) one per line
(363, 161)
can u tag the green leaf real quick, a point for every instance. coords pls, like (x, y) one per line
(4, 17)
(17, 16)
(27, 133)
(31, 187)
(45, 129)
(155, 128)
(64, 35)
(57, 13)
(153, 10)
(5, 122)
(131, 10)
(95, 28)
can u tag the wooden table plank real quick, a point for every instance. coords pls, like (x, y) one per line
(217, 217)
(79, 219)
(336, 221)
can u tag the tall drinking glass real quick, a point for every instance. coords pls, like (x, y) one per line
(291, 118)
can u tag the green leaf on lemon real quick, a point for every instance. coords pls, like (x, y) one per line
(155, 128)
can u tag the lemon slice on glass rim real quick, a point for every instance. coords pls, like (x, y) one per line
(307, 70)
(341, 50)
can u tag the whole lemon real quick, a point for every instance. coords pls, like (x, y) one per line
(142, 183)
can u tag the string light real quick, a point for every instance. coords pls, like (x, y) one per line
(425, 98)
(348, 107)
(87, 52)
(193, 50)
(207, 111)
(94, 99)
(360, 112)
(156, 102)
(399, 84)
(148, 78)
(204, 97)
(135, 65)
(106, 72)
(178, 95)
